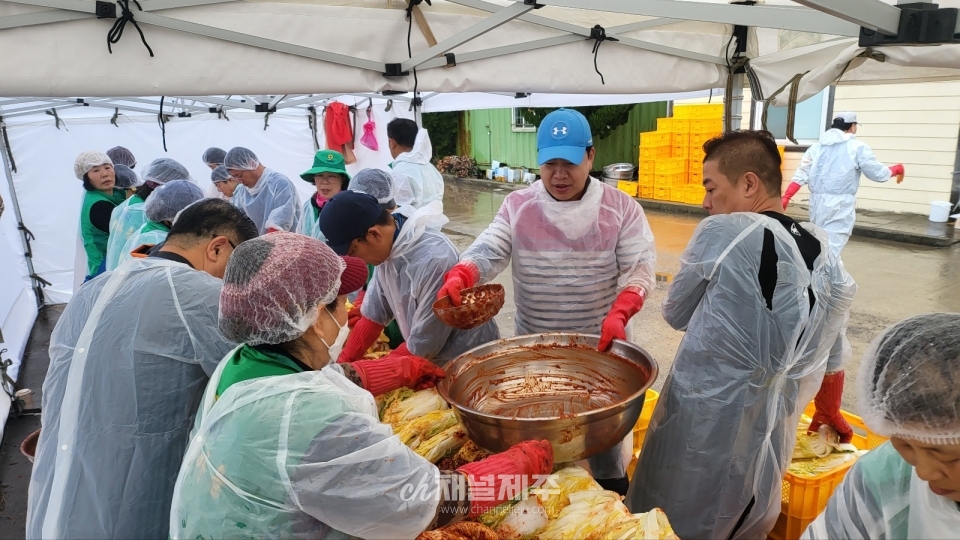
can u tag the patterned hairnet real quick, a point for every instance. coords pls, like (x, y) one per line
(88, 160)
(220, 174)
(163, 170)
(214, 155)
(122, 156)
(274, 287)
(126, 178)
(169, 199)
(375, 182)
(909, 380)
(241, 159)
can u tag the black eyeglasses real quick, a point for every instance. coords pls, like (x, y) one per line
(231, 244)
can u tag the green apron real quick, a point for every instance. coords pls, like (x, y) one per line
(252, 363)
(95, 240)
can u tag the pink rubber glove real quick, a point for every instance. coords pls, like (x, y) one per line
(627, 304)
(463, 275)
(363, 335)
(792, 190)
(898, 171)
(828, 407)
(527, 459)
(395, 371)
(353, 316)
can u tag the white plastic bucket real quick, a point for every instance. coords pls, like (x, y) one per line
(940, 211)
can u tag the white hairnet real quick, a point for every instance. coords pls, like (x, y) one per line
(214, 155)
(88, 160)
(125, 177)
(241, 159)
(274, 285)
(163, 170)
(122, 156)
(375, 182)
(220, 174)
(169, 199)
(909, 380)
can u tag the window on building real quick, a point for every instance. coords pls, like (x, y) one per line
(810, 122)
(519, 123)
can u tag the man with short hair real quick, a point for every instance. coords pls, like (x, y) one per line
(268, 197)
(129, 360)
(761, 300)
(418, 182)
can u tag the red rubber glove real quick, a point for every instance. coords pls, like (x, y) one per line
(353, 316)
(898, 171)
(402, 350)
(397, 371)
(463, 275)
(272, 230)
(828, 407)
(792, 190)
(363, 335)
(627, 304)
(524, 460)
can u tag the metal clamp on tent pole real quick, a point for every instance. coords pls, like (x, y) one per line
(921, 23)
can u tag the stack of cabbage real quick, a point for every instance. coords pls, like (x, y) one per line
(423, 421)
(819, 452)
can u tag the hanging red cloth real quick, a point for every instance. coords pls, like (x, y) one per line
(338, 130)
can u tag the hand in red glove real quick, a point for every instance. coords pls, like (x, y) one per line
(792, 190)
(463, 275)
(898, 171)
(397, 371)
(828, 407)
(353, 316)
(627, 304)
(272, 230)
(363, 335)
(527, 459)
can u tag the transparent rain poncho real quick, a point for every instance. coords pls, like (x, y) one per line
(310, 221)
(272, 203)
(832, 169)
(125, 222)
(908, 387)
(724, 428)
(405, 287)
(377, 183)
(129, 360)
(163, 205)
(163, 170)
(418, 182)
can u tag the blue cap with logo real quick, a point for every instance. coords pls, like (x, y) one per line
(563, 134)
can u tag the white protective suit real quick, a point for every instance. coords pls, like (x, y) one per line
(882, 497)
(570, 260)
(320, 465)
(149, 234)
(419, 183)
(125, 221)
(405, 286)
(272, 203)
(128, 363)
(724, 428)
(310, 222)
(832, 169)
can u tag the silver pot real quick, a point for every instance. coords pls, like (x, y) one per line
(619, 171)
(555, 386)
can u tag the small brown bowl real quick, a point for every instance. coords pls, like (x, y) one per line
(29, 445)
(477, 306)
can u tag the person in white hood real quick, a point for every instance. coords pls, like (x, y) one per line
(832, 169)
(419, 183)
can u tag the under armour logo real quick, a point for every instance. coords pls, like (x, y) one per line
(560, 130)
(557, 131)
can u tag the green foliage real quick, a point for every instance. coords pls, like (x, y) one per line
(443, 128)
(602, 119)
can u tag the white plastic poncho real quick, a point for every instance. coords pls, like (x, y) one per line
(419, 183)
(299, 456)
(271, 204)
(832, 169)
(405, 287)
(723, 431)
(310, 222)
(129, 359)
(125, 221)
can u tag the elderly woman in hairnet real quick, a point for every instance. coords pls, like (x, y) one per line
(128, 217)
(288, 445)
(270, 198)
(329, 175)
(908, 390)
(100, 198)
(160, 210)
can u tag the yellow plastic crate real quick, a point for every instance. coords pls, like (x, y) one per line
(680, 139)
(669, 180)
(647, 179)
(640, 428)
(697, 154)
(671, 166)
(698, 111)
(661, 193)
(695, 178)
(650, 139)
(628, 186)
(678, 193)
(645, 192)
(663, 152)
(648, 165)
(680, 125)
(664, 125)
(695, 195)
(681, 152)
(648, 153)
(697, 139)
(712, 126)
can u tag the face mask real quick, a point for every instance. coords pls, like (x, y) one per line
(335, 349)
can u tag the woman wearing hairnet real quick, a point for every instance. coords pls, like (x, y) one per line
(121, 156)
(909, 390)
(269, 198)
(287, 445)
(329, 175)
(163, 206)
(126, 180)
(100, 198)
(213, 157)
(128, 217)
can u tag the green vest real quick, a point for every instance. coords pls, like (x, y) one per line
(95, 240)
(153, 226)
(252, 363)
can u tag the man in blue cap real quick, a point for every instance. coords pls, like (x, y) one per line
(583, 255)
(411, 256)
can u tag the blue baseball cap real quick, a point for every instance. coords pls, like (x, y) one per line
(346, 217)
(563, 134)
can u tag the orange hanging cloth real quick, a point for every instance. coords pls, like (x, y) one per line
(338, 130)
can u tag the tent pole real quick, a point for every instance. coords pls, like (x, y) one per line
(24, 239)
(733, 102)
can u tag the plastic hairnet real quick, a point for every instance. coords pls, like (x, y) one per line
(376, 182)
(909, 380)
(274, 287)
(88, 160)
(126, 178)
(122, 156)
(214, 155)
(168, 200)
(241, 159)
(163, 170)
(220, 174)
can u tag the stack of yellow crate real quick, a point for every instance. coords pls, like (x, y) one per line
(671, 158)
